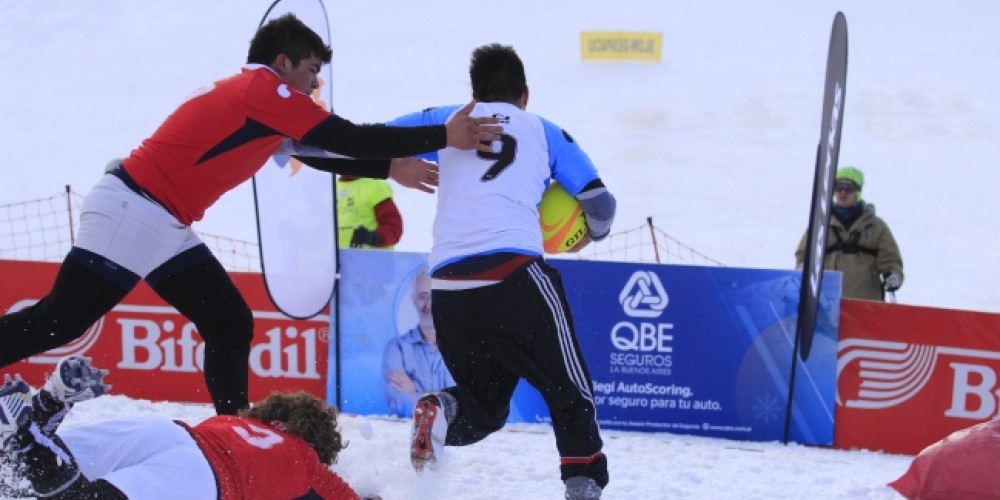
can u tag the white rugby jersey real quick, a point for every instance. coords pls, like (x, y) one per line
(488, 203)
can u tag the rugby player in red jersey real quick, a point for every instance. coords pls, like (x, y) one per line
(281, 448)
(136, 222)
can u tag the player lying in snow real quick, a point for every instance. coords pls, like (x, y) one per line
(281, 447)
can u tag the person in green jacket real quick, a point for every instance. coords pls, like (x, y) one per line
(367, 217)
(859, 244)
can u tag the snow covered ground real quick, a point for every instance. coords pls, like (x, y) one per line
(716, 143)
(521, 462)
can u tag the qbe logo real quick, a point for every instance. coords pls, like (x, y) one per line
(643, 297)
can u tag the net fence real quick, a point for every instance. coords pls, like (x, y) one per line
(44, 230)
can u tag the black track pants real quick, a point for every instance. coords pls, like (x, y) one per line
(79, 297)
(492, 336)
(205, 294)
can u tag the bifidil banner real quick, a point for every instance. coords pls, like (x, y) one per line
(684, 349)
(909, 376)
(155, 353)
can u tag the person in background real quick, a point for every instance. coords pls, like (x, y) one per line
(500, 310)
(860, 244)
(366, 215)
(135, 224)
(282, 447)
(412, 364)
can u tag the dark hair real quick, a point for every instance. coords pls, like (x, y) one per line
(497, 74)
(286, 35)
(303, 415)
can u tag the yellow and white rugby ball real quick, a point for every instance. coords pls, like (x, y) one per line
(561, 219)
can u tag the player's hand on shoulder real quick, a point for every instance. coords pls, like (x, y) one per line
(467, 132)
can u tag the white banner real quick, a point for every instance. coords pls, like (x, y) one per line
(296, 210)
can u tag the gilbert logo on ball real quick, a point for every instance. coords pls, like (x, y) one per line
(561, 219)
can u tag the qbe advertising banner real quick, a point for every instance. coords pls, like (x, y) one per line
(684, 349)
(703, 350)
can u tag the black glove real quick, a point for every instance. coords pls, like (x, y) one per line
(362, 236)
(892, 282)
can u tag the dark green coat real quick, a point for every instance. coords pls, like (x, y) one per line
(862, 265)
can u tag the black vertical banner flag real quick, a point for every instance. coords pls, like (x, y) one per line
(827, 155)
(296, 210)
(822, 196)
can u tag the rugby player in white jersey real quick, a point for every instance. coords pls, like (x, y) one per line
(500, 310)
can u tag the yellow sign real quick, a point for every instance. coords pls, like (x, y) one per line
(620, 45)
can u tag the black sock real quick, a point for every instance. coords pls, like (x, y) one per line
(47, 411)
(47, 462)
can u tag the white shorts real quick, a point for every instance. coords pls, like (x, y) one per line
(145, 456)
(129, 229)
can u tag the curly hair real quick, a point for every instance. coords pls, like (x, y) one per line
(303, 415)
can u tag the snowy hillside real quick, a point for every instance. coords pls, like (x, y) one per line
(716, 142)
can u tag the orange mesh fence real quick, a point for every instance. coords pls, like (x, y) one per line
(645, 243)
(37, 229)
(43, 230)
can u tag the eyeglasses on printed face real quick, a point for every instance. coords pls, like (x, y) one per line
(847, 187)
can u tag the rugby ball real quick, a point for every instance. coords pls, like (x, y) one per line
(561, 219)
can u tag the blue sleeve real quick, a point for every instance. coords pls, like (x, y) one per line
(567, 161)
(429, 116)
(398, 403)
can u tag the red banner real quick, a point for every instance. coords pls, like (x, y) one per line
(155, 353)
(909, 376)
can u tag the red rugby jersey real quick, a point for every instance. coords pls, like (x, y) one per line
(219, 138)
(252, 459)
